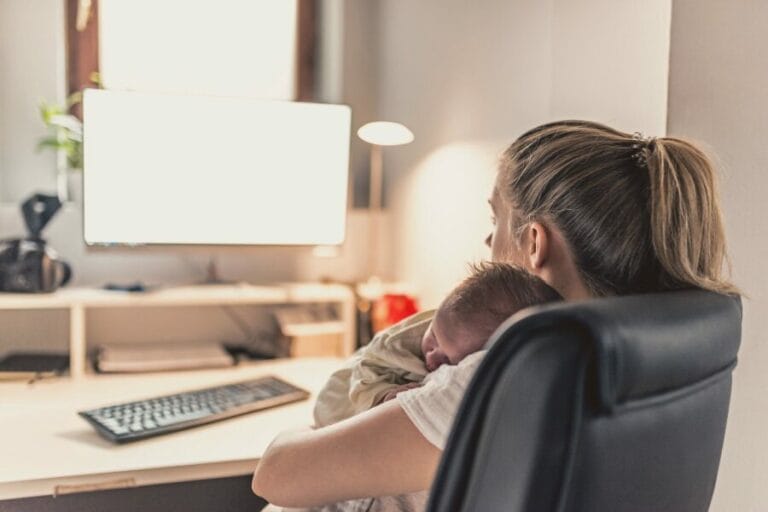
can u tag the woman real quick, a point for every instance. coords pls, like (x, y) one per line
(590, 210)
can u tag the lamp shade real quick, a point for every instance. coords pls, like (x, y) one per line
(385, 133)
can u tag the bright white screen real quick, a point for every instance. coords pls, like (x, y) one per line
(164, 169)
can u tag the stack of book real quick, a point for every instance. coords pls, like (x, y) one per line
(156, 357)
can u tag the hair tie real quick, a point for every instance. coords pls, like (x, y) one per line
(641, 147)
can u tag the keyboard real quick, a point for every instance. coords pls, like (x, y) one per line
(131, 421)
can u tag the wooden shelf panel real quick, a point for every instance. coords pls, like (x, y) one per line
(79, 300)
(178, 296)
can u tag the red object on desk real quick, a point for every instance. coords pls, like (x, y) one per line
(390, 308)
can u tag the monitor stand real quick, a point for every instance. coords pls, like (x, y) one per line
(212, 274)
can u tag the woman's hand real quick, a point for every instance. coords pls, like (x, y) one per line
(375, 453)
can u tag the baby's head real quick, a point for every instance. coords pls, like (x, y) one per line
(473, 310)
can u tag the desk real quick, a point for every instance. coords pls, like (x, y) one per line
(46, 448)
(79, 300)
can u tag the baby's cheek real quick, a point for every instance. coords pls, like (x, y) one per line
(436, 359)
(478, 344)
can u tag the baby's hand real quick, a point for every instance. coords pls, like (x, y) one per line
(392, 393)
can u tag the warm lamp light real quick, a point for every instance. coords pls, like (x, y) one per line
(378, 134)
(385, 133)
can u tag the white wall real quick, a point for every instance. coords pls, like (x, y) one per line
(610, 63)
(359, 83)
(468, 77)
(31, 69)
(717, 94)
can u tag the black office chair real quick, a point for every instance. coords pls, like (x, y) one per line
(614, 405)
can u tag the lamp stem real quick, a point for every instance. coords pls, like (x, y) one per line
(374, 201)
(375, 185)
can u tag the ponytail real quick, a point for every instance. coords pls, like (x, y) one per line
(640, 215)
(686, 222)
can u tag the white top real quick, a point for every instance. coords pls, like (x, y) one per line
(432, 409)
(433, 406)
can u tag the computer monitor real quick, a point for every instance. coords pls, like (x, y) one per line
(199, 170)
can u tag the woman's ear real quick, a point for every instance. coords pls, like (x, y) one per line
(547, 255)
(537, 246)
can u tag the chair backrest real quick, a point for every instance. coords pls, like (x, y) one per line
(615, 404)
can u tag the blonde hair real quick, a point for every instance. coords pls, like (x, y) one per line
(640, 215)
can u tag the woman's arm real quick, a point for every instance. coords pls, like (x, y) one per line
(376, 453)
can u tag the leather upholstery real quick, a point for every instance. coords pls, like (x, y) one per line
(616, 404)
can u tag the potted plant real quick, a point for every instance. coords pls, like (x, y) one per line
(65, 136)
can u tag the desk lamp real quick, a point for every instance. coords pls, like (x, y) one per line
(378, 134)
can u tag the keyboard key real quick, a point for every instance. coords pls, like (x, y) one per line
(181, 418)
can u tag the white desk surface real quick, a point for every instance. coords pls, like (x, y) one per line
(45, 444)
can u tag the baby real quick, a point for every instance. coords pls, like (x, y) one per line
(411, 352)
(403, 356)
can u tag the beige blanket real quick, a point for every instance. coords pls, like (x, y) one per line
(391, 359)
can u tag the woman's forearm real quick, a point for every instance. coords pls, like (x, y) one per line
(376, 453)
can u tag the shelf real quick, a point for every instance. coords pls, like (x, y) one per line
(79, 300)
(175, 296)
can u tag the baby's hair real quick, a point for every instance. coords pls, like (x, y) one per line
(492, 293)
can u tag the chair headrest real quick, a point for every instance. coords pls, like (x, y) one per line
(643, 344)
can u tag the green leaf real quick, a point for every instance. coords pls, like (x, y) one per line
(48, 142)
(95, 78)
(75, 160)
(48, 111)
(74, 99)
